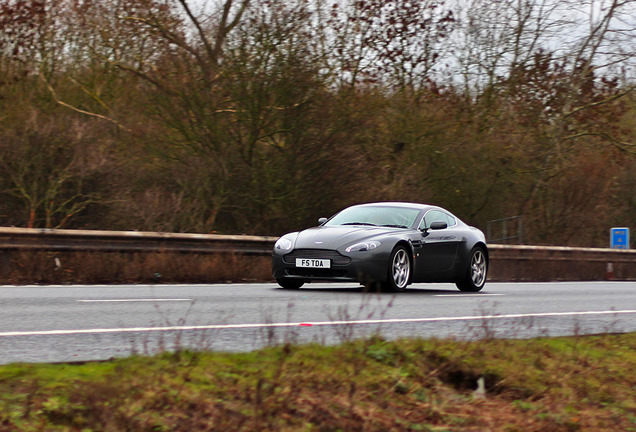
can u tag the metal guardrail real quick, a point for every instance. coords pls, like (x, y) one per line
(549, 263)
(508, 262)
(60, 240)
(143, 241)
(566, 252)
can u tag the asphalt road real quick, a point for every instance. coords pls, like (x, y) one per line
(78, 323)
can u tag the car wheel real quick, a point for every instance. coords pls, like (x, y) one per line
(399, 270)
(475, 276)
(290, 283)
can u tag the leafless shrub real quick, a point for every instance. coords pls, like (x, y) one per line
(371, 307)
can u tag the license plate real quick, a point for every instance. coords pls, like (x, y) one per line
(313, 263)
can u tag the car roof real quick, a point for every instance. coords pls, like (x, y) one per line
(417, 206)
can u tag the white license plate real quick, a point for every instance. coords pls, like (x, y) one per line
(313, 263)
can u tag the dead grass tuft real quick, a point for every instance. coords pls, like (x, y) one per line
(557, 384)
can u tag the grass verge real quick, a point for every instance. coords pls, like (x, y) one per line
(584, 383)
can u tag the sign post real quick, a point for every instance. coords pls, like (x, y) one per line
(619, 238)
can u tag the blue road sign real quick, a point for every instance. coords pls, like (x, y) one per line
(619, 238)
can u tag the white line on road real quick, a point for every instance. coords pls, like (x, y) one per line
(466, 295)
(309, 324)
(135, 300)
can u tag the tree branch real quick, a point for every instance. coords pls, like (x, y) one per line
(599, 103)
(81, 111)
(621, 145)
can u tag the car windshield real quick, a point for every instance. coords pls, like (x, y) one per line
(396, 217)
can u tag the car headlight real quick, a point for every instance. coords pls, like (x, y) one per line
(283, 244)
(363, 247)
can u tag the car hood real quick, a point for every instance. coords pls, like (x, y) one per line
(334, 237)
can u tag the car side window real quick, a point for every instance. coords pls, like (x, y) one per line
(436, 216)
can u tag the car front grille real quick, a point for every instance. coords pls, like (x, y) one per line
(317, 273)
(336, 258)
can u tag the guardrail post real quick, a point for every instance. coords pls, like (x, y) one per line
(5, 263)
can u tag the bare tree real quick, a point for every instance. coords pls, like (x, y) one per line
(393, 43)
(546, 74)
(45, 172)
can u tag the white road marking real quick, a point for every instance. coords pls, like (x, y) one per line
(466, 295)
(135, 300)
(309, 323)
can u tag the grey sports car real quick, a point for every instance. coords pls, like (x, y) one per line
(385, 245)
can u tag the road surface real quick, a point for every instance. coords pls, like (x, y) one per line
(80, 323)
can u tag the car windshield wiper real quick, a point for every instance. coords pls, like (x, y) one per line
(394, 226)
(359, 223)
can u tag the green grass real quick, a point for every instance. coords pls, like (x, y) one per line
(547, 384)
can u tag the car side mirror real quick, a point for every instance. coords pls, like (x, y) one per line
(439, 225)
(322, 220)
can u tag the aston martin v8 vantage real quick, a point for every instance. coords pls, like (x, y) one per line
(387, 245)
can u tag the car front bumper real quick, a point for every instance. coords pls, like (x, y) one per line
(364, 267)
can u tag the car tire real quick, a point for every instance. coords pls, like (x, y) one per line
(399, 272)
(475, 275)
(290, 283)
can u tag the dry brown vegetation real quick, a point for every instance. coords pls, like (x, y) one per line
(258, 117)
(548, 384)
(108, 268)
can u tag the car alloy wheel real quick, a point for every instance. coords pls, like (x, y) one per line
(399, 270)
(476, 273)
(478, 268)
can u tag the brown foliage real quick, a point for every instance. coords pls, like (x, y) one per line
(260, 117)
(127, 268)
